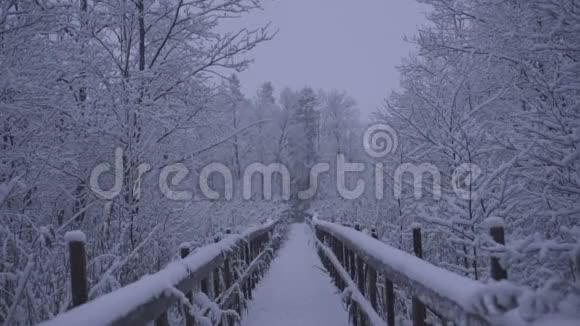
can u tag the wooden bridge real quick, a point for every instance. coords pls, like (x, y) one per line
(312, 273)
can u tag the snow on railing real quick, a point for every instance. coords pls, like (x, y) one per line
(351, 255)
(231, 267)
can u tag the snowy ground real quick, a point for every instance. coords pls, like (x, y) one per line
(296, 290)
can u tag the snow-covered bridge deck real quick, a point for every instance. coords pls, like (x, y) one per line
(296, 290)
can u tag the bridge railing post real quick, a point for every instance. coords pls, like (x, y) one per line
(248, 259)
(419, 311)
(340, 250)
(253, 255)
(346, 259)
(336, 247)
(189, 320)
(389, 301)
(361, 280)
(216, 276)
(203, 285)
(372, 277)
(241, 259)
(352, 262)
(78, 267)
(339, 247)
(227, 276)
(498, 235)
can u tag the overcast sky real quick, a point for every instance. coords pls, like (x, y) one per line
(344, 44)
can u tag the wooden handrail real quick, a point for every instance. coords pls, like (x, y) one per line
(445, 293)
(149, 298)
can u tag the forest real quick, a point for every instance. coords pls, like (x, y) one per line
(488, 111)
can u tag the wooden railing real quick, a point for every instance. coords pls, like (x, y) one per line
(371, 271)
(225, 272)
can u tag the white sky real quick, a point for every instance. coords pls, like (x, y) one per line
(344, 44)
